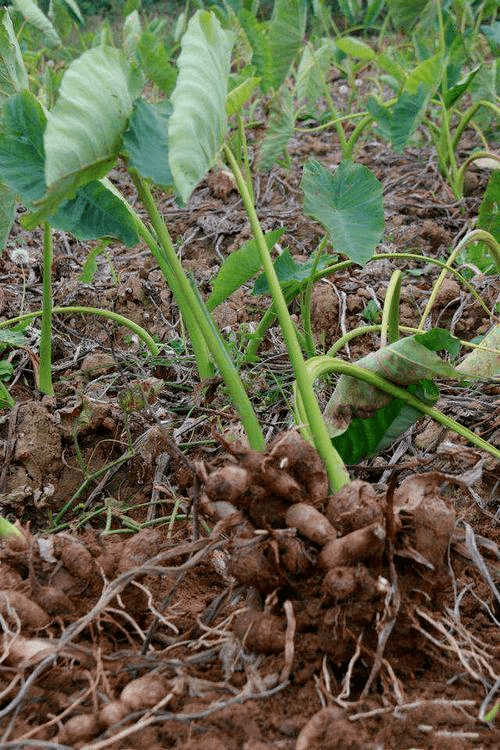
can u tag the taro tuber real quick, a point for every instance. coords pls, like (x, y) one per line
(261, 632)
(310, 523)
(227, 484)
(341, 583)
(30, 614)
(145, 692)
(360, 545)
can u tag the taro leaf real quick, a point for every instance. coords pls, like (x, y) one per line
(311, 73)
(365, 437)
(404, 362)
(155, 62)
(483, 362)
(354, 47)
(437, 339)
(456, 91)
(279, 130)
(398, 123)
(96, 212)
(275, 43)
(197, 126)
(84, 129)
(33, 15)
(146, 141)
(291, 275)
(22, 161)
(286, 31)
(240, 94)
(238, 268)
(349, 204)
(11, 337)
(75, 10)
(257, 35)
(131, 33)
(427, 74)
(13, 75)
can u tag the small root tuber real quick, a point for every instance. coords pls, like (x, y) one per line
(310, 523)
(360, 545)
(145, 692)
(30, 614)
(261, 632)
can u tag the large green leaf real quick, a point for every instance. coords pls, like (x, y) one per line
(22, 161)
(258, 38)
(349, 204)
(96, 212)
(286, 32)
(456, 91)
(85, 127)
(13, 75)
(33, 15)
(197, 126)
(404, 362)
(311, 74)
(238, 268)
(146, 141)
(398, 123)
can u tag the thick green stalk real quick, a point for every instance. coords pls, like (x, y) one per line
(45, 372)
(162, 249)
(336, 470)
(109, 314)
(196, 316)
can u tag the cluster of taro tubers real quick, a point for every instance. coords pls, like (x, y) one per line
(334, 558)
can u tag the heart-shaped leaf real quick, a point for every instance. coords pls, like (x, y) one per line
(349, 204)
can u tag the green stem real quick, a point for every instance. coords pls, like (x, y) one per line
(270, 314)
(196, 316)
(162, 249)
(321, 365)
(246, 160)
(477, 235)
(353, 138)
(77, 309)
(468, 115)
(45, 373)
(336, 470)
(470, 159)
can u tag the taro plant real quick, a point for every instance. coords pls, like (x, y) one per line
(100, 117)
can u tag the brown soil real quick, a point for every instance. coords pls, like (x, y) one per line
(180, 599)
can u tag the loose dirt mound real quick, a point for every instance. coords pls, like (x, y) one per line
(337, 601)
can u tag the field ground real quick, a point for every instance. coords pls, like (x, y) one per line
(94, 458)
